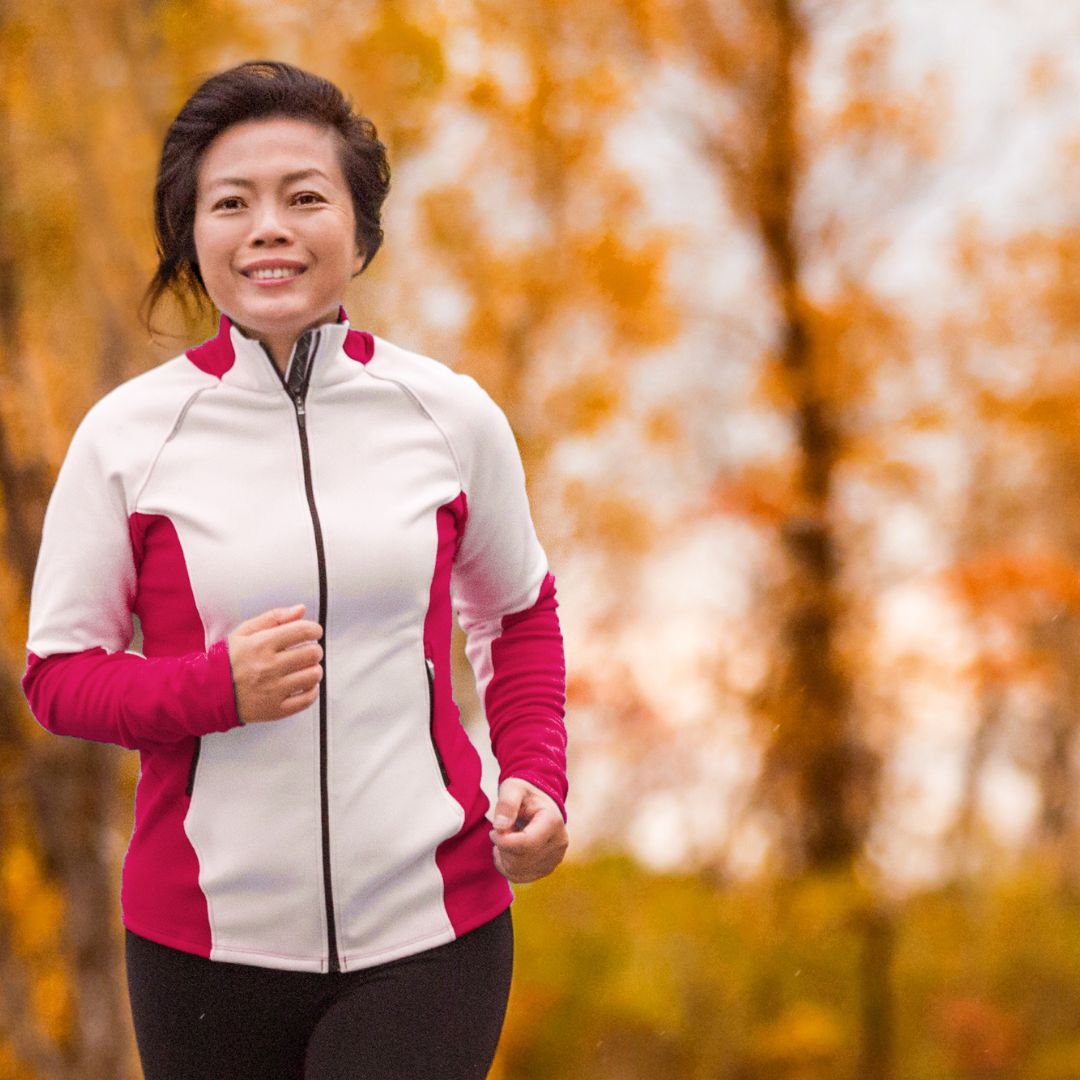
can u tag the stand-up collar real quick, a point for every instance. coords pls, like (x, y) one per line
(323, 355)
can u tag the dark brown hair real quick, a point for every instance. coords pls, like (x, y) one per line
(255, 90)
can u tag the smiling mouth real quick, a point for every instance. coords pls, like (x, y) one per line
(274, 273)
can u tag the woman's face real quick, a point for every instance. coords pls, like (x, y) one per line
(275, 230)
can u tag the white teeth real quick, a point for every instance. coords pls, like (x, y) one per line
(275, 272)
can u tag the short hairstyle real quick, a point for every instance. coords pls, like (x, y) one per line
(258, 89)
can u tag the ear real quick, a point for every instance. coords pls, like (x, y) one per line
(358, 261)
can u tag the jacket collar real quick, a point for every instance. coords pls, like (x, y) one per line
(322, 356)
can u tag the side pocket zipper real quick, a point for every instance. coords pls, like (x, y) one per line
(194, 762)
(429, 664)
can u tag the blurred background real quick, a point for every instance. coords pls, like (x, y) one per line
(781, 301)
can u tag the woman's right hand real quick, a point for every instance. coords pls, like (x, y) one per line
(275, 664)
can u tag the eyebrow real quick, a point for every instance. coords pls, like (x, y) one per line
(288, 178)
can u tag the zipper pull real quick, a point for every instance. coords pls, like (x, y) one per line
(298, 401)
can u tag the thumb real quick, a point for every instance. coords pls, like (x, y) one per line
(269, 619)
(508, 808)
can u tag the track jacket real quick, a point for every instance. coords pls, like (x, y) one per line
(379, 488)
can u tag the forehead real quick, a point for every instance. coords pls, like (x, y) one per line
(268, 148)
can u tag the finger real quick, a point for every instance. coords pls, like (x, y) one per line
(300, 682)
(520, 871)
(298, 702)
(299, 658)
(289, 635)
(273, 617)
(508, 807)
(514, 840)
(534, 819)
(520, 844)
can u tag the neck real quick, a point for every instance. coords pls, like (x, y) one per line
(279, 347)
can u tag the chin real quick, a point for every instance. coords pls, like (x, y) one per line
(277, 322)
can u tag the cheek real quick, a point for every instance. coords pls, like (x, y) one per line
(212, 258)
(210, 252)
(200, 245)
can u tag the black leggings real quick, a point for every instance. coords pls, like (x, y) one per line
(433, 1016)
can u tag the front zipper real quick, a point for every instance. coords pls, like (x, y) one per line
(296, 388)
(191, 771)
(429, 665)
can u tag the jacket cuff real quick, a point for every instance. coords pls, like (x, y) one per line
(543, 783)
(221, 678)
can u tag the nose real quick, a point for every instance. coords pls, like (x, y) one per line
(269, 227)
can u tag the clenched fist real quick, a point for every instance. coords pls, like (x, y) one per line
(275, 660)
(530, 837)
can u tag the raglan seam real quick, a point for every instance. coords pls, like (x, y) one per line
(422, 406)
(174, 427)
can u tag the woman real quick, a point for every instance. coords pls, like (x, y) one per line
(291, 509)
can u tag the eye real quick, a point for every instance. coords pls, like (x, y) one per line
(308, 198)
(230, 202)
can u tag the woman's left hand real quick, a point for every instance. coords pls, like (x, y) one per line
(530, 836)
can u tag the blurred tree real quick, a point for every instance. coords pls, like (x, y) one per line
(819, 777)
(560, 276)
(818, 770)
(809, 173)
(796, 169)
(35, 1023)
(1015, 346)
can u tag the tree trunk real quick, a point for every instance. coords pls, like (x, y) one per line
(815, 762)
(879, 939)
(56, 793)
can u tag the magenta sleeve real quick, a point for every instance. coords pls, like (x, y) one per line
(525, 701)
(132, 700)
